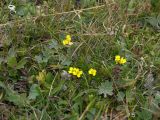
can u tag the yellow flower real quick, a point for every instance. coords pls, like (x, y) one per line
(92, 71)
(71, 70)
(68, 37)
(41, 76)
(122, 61)
(117, 59)
(75, 71)
(79, 73)
(65, 42)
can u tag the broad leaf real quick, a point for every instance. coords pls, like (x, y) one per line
(106, 88)
(34, 92)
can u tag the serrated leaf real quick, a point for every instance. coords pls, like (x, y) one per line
(144, 114)
(38, 58)
(154, 22)
(17, 99)
(106, 88)
(34, 92)
(42, 59)
(54, 44)
(14, 97)
(120, 96)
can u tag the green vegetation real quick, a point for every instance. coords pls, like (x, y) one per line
(79, 60)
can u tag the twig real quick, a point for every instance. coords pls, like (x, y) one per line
(76, 49)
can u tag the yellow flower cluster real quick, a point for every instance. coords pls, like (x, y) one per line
(41, 76)
(75, 71)
(67, 40)
(92, 72)
(120, 60)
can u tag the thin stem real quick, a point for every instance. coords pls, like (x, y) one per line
(52, 85)
(86, 110)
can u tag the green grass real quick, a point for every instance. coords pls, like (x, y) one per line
(31, 41)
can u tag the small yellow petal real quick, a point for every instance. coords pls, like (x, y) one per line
(122, 61)
(70, 43)
(75, 70)
(68, 37)
(79, 73)
(70, 70)
(117, 59)
(64, 42)
(92, 71)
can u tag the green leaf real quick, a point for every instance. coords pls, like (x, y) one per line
(131, 6)
(31, 9)
(12, 96)
(1, 60)
(54, 44)
(157, 97)
(22, 10)
(154, 22)
(144, 114)
(17, 99)
(42, 59)
(49, 77)
(34, 92)
(87, 3)
(12, 62)
(91, 114)
(130, 96)
(58, 88)
(21, 64)
(106, 88)
(66, 61)
(120, 96)
(12, 72)
(2, 85)
(12, 52)
(38, 58)
(155, 5)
